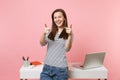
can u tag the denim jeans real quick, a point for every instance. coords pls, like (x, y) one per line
(54, 73)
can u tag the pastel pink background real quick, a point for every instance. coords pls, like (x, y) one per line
(96, 27)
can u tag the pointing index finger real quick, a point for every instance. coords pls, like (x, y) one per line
(45, 25)
(71, 26)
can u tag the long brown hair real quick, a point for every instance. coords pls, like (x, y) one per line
(54, 30)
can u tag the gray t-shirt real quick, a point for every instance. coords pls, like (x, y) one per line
(55, 55)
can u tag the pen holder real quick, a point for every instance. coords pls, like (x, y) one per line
(26, 63)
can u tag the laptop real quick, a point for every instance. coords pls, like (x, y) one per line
(92, 60)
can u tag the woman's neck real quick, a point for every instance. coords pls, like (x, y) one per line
(59, 30)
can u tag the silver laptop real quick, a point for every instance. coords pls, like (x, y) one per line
(92, 60)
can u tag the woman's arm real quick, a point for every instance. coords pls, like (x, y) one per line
(68, 44)
(43, 40)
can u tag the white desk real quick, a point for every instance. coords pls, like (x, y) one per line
(75, 73)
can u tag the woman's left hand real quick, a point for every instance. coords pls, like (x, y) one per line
(69, 30)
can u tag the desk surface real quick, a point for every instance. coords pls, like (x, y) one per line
(74, 72)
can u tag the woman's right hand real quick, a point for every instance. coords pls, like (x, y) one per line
(46, 29)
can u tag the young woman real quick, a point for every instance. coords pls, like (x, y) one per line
(59, 41)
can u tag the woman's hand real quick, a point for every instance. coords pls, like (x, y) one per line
(69, 30)
(46, 29)
(42, 39)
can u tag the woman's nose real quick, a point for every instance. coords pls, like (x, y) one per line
(57, 19)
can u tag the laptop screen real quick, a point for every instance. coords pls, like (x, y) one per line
(93, 60)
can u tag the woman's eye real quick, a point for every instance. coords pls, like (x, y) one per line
(59, 16)
(54, 17)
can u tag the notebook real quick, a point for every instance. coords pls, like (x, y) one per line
(92, 60)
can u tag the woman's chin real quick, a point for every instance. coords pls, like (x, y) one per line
(59, 26)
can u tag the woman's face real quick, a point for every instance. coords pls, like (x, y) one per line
(59, 19)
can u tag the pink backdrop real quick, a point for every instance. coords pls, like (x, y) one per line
(96, 25)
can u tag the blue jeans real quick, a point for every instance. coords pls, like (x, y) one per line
(54, 73)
